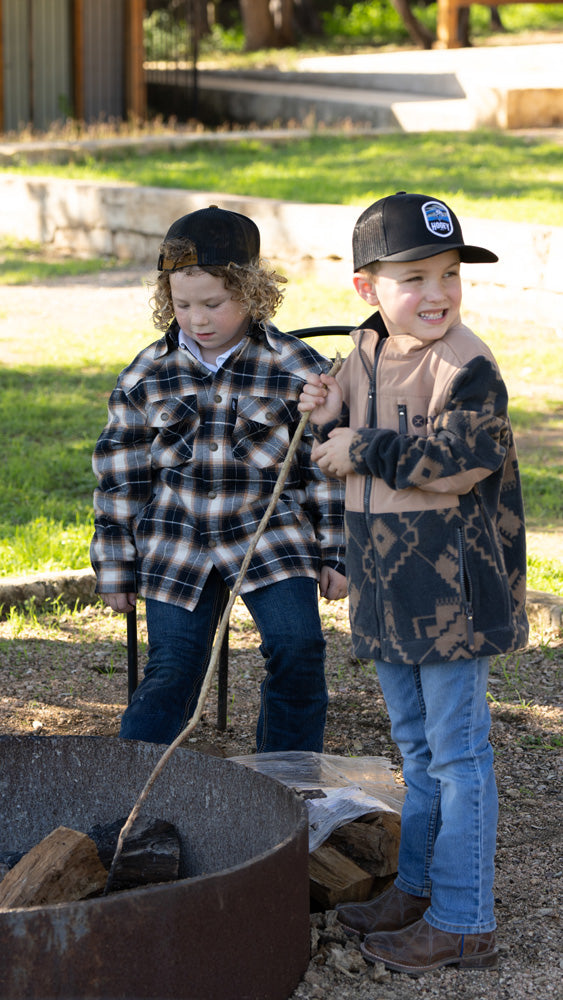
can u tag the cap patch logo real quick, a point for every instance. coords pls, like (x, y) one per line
(437, 218)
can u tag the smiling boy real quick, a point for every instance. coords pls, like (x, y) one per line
(417, 423)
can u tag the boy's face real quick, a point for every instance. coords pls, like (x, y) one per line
(207, 312)
(420, 297)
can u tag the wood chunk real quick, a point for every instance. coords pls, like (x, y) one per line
(334, 878)
(61, 868)
(372, 842)
(151, 851)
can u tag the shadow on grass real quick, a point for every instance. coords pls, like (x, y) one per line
(539, 440)
(50, 419)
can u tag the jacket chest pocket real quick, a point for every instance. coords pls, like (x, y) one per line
(412, 418)
(262, 429)
(175, 421)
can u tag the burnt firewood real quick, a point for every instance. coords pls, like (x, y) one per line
(151, 851)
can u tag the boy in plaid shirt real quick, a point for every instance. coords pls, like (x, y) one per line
(199, 425)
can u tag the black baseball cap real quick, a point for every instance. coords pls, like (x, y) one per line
(406, 227)
(218, 238)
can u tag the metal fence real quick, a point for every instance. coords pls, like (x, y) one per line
(84, 59)
(36, 61)
(171, 52)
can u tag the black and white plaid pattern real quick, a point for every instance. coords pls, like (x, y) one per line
(186, 466)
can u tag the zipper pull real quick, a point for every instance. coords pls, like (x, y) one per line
(403, 425)
(469, 619)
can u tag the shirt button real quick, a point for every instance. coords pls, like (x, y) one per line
(269, 416)
(213, 446)
(212, 495)
(164, 416)
(212, 543)
(218, 398)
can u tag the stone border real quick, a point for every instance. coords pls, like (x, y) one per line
(545, 611)
(73, 586)
(127, 222)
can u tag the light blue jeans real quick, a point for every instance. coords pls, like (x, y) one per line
(294, 696)
(440, 722)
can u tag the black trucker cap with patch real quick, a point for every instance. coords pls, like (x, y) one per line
(403, 227)
(217, 237)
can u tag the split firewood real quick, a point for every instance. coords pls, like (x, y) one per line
(356, 859)
(334, 878)
(67, 865)
(372, 842)
(61, 868)
(7, 861)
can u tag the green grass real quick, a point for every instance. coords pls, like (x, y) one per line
(484, 173)
(378, 22)
(365, 26)
(24, 262)
(53, 398)
(545, 575)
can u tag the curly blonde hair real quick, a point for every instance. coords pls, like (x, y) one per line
(256, 285)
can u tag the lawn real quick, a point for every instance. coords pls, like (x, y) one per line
(54, 387)
(484, 173)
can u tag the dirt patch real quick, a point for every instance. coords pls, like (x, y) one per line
(66, 673)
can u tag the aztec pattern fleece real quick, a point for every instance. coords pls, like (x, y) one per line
(436, 558)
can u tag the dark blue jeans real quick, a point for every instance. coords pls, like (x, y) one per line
(294, 697)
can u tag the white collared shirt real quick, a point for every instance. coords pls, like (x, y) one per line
(193, 347)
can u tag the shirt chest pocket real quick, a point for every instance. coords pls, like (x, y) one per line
(262, 429)
(175, 421)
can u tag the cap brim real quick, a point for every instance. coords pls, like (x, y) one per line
(467, 254)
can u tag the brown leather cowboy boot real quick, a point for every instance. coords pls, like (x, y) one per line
(421, 947)
(390, 911)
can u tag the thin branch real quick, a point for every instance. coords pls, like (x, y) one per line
(223, 625)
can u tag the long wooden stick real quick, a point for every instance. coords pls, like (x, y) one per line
(223, 625)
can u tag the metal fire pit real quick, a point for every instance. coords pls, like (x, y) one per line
(234, 927)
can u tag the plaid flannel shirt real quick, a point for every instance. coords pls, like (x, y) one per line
(187, 464)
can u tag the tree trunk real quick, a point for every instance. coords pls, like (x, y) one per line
(282, 14)
(417, 31)
(268, 24)
(201, 20)
(306, 17)
(258, 24)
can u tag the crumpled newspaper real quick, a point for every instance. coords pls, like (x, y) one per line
(350, 786)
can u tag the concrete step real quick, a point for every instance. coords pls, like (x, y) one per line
(263, 101)
(429, 83)
(413, 90)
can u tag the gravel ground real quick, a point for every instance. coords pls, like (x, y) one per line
(65, 673)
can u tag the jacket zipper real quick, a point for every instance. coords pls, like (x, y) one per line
(403, 423)
(371, 420)
(465, 583)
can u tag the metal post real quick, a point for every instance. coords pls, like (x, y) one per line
(132, 660)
